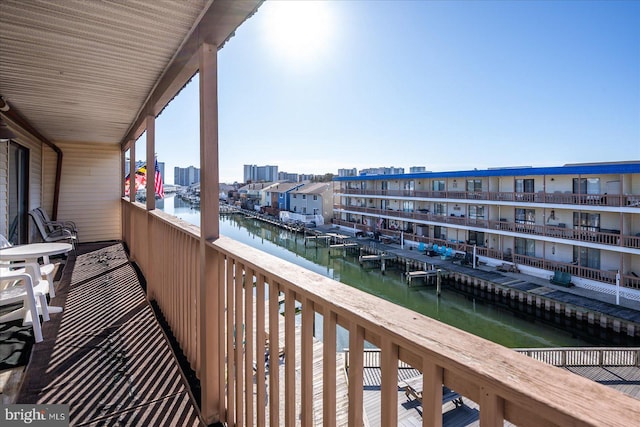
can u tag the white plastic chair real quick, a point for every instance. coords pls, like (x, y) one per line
(46, 269)
(16, 287)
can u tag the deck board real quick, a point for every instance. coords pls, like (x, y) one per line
(106, 355)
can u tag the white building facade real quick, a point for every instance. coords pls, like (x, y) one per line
(579, 219)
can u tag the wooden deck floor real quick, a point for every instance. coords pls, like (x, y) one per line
(106, 356)
(625, 379)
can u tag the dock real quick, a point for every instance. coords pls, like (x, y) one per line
(315, 239)
(428, 276)
(381, 257)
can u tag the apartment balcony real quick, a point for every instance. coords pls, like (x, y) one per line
(605, 276)
(506, 385)
(608, 238)
(556, 198)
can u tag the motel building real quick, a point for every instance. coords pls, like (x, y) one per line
(581, 219)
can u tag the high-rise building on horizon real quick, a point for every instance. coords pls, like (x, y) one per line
(256, 173)
(186, 176)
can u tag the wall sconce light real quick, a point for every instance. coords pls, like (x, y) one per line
(553, 179)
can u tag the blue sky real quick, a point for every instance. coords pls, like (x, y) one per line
(449, 85)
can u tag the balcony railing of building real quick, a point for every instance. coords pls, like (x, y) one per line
(614, 200)
(609, 237)
(609, 277)
(240, 292)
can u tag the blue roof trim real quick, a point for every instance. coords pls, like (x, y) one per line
(621, 168)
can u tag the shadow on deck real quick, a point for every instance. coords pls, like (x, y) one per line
(106, 355)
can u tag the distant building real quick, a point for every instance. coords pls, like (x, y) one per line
(186, 176)
(581, 219)
(382, 171)
(417, 169)
(286, 176)
(348, 172)
(306, 177)
(255, 173)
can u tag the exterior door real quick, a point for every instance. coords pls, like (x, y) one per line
(17, 194)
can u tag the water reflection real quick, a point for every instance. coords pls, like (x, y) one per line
(473, 316)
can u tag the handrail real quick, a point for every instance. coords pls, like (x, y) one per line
(614, 200)
(584, 356)
(505, 384)
(604, 238)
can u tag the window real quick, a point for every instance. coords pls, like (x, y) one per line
(586, 221)
(524, 185)
(474, 185)
(440, 232)
(438, 185)
(586, 185)
(525, 247)
(586, 257)
(384, 185)
(315, 197)
(476, 238)
(525, 216)
(407, 206)
(409, 185)
(476, 212)
(440, 208)
(294, 196)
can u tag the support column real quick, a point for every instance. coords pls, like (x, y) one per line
(132, 198)
(151, 160)
(152, 241)
(211, 331)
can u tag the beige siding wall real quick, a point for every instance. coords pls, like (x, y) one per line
(89, 188)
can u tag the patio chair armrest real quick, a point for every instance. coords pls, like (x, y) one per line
(64, 224)
(30, 268)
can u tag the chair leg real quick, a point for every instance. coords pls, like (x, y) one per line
(44, 307)
(31, 315)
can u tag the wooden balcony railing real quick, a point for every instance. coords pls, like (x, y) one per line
(610, 238)
(211, 291)
(618, 200)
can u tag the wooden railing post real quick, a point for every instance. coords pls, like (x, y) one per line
(209, 230)
(491, 409)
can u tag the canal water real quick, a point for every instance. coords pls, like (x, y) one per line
(479, 318)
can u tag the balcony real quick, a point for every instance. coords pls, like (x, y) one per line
(506, 385)
(556, 198)
(609, 237)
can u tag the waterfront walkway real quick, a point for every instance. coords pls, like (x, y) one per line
(627, 309)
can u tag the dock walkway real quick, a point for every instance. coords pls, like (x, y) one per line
(586, 300)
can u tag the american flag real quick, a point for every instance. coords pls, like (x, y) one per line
(158, 182)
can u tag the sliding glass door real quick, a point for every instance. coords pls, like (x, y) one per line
(18, 194)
